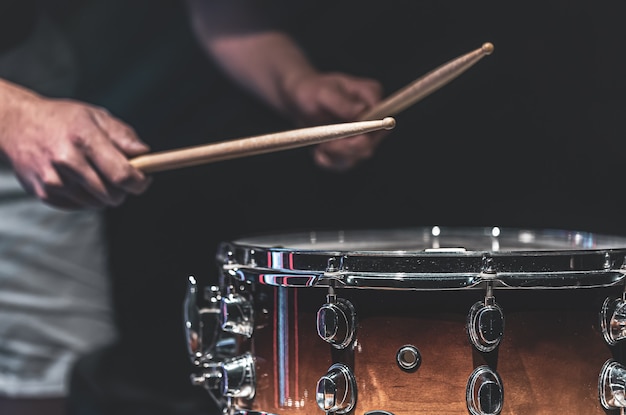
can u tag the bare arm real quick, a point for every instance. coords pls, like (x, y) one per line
(271, 65)
(67, 153)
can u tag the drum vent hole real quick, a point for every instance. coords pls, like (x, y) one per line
(408, 358)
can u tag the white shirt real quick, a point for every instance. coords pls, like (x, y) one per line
(54, 289)
(54, 292)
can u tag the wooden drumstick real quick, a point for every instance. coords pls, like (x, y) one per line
(426, 84)
(243, 147)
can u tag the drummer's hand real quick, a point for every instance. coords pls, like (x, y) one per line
(335, 97)
(69, 154)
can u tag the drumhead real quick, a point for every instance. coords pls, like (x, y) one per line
(429, 258)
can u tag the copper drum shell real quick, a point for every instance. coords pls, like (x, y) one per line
(549, 358)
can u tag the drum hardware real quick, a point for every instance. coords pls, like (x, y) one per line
(227, 345)
(612, 380)
(210, 378)
(334, 264)
(201, 324)
(409, 358)
(251, 259)
(211, 350)
(335, 271)
(336, 391)
(612, 386)
(485, 321)
(239, 377)
(484, 393)
(613, 319)
(485, 328)
(237, 314)
(378, 413)
(231, 271)
(193, 326)
(232, 378)
(420, 267)
(336, 321)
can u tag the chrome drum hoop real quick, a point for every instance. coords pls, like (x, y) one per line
(430, 258)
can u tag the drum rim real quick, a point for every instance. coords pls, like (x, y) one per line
(248, 241)
(529, 268)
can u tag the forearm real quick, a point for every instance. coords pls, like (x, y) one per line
(248, 44)
(265, 61)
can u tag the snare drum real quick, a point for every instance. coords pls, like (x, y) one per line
(414, 321)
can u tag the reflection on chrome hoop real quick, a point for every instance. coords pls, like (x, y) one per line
(430, 258)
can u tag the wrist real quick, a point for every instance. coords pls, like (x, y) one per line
(292, 90)
(13, 101)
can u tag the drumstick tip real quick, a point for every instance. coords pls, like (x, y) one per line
(487, 48)
(389, 123)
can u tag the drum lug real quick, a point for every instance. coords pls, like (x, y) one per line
(336, 391)
(237, 315)
(484, 393)
(231, 378)
(239, 377)
(613, 320)
(201, 324)
(612, 385)
(485, 324)
(336, 322)
(210, 378)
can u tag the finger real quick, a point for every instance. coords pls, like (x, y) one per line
(323, 160)
(71, 197)
(329, 161)
(61, 202)
(367, 90)
(121, 134)
(357, 95)
(344, 154)
(341, 104)
(50, 187)
(77, 174)
(87, 181)
(364, 144)
(357, 148)
(112, 165)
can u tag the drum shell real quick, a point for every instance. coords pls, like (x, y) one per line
(549, 358)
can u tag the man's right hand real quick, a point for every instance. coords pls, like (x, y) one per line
(67, 153)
